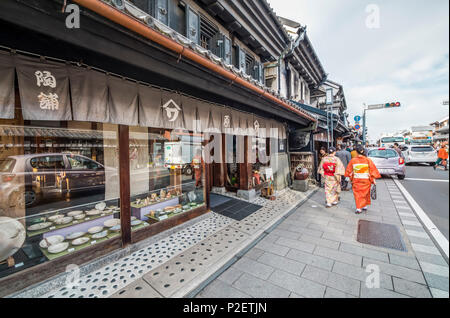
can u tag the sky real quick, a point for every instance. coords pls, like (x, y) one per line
(400, 54)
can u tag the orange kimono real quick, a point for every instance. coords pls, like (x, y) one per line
(362, 172)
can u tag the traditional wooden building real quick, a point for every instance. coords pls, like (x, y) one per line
(118, 118)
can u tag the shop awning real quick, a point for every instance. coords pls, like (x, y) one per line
(55, 91)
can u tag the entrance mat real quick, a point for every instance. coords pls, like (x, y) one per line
(381, 235)
(232, 208)
(217, 199)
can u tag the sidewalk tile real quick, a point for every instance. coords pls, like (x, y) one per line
(430, 258)
(420, 240)
(341, 238)
(333, 293)
(437, 293)
(436, 281)
(425, 249)
(340, 226)
(397, 271)
(434, 269)
(324, 228)
(286, 234)
(310, 259)
(379, 293)
(219, 289)
(270, 247)
(253, 267)
(294, 295)
(260, 288)
(254, 253)
(336, 281)
(412, 223)
(361, 251)
(404, 261)
(319, 241)
(230, 275)
(282, 263)
(298, 285)
(298, 245)
(411, 289)
(304, 230)
(338, 256)
(360, 274)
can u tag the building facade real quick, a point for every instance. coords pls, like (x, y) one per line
(119, 129)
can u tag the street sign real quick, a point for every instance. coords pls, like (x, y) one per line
(358, 118)
(357, 127)
(329, 100)
(376, 106)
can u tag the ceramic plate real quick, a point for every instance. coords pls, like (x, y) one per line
(136, 222)
(100, 206)
(111, 223)
(51, 240)
(133, 218)
(95, 229)
(80, 241)
(79, 216)
(53, 218)
(115, 228)
(39, 226)
(93, 212)
(64, 220)
(75, 235)
(58, 248)
(74, 213)
(100, 235)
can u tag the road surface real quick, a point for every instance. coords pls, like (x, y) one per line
(430, 189)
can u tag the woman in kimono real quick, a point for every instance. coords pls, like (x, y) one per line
(332, 169)
(362, 172)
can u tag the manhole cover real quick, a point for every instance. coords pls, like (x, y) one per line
(379, 234)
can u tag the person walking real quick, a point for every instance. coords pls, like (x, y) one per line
(362, 173)
(322, 154)
(331, 169)
(442, 157)
(345, 158)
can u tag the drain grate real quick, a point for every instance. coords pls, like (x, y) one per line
(235, 209)
(381, 235)
(178, 272)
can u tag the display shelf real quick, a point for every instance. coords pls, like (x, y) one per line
(73, 249)
(56, 227)
(141, 213)
(304, 158)
(153, 219)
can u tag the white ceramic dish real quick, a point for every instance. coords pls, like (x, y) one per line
(75, 235)
(136, 222)
(74, 213)
(111, 222)
(79, 216)
(80, 241)
(51, 240)
(100, 206)
(133, 218)
(100, 235)
(95, 229)
(58, 248)
(115, 228)
(93, 212)
(12, 236)
(53, 218)
(64, 220)
(39, 226)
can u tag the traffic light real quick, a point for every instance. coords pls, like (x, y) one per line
(394, 104)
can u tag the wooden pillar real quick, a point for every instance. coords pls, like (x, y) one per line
(219, 172)
(124, 175)
(245, 169)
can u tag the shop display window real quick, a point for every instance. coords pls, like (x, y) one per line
(59, 190)
(166, 173)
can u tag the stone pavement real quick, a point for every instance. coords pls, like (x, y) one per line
(314, 253)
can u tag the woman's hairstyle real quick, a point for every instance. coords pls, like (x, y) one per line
(360, 150)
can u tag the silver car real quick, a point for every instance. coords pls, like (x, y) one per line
(420, 154)
(388, 162)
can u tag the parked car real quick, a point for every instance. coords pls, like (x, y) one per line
(47, 175)
(388, 162)
(420, 154)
